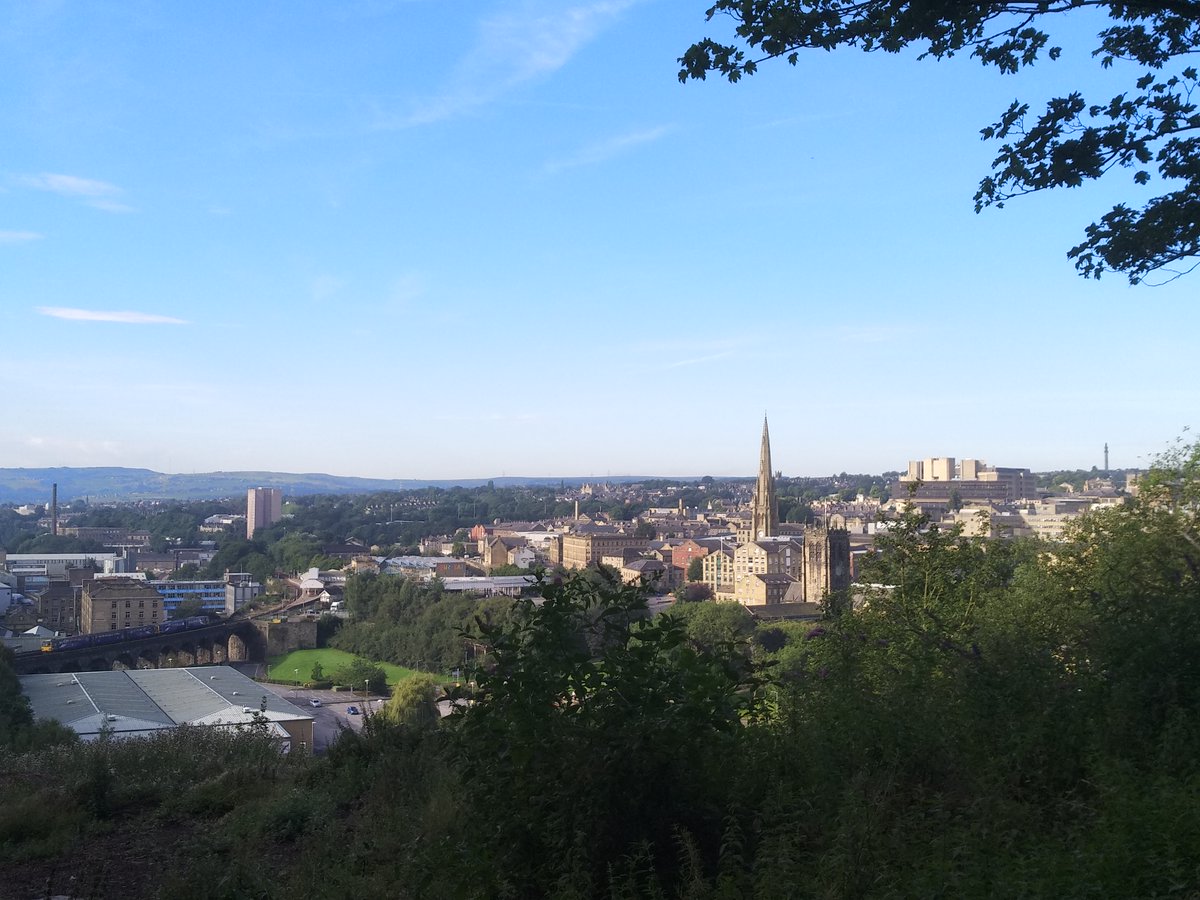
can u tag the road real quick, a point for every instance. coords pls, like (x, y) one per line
(330, 718)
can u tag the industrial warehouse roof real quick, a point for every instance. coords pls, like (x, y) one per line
(142, 701)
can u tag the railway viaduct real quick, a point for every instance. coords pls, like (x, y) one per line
(242, 640)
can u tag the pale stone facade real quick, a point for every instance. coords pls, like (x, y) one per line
(770, 565)
(113, 603)
(580, 550)
(766, 556)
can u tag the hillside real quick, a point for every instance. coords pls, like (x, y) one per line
(119, 483)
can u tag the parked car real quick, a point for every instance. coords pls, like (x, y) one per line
(313, 701)
(352, 710)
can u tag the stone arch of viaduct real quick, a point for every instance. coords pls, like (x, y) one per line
(206, 647)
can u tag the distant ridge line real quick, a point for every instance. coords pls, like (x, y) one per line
(33, 485)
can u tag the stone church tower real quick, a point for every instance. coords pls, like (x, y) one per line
(764, 509)
(826, 559)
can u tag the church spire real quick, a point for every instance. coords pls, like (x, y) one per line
(764, 509)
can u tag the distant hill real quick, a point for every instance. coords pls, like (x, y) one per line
(116, 483)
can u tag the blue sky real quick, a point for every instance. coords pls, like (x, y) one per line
(421, 239)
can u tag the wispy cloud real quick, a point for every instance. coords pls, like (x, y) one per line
(606, 150)
(511, 49)
(98, 194)
(19, 237)
(102, 315)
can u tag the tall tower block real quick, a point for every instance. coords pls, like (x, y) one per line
(263, 507)
(764, 508)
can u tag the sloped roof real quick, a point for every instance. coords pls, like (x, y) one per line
(144, 700)
(775, 578)
(121, 589)
(641, 565)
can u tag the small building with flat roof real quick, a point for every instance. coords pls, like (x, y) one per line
(141, 702)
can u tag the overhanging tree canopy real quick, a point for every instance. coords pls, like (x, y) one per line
(1151, 130)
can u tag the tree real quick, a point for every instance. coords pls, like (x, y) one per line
(360, 673)
(596, 730)
(695, 570)
(414, 702)
(1154, 125)
(193, 606)
(711, 626)
(694, 592)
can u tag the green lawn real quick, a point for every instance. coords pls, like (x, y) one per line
(296, 667)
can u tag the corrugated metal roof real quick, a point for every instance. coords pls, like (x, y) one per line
(146, 700)
(114, 694)
(237, 690)
(59, 697)
(179, 693)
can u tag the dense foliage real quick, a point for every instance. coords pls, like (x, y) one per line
(402, 621)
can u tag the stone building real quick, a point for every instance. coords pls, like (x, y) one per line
(775, 566)
(112, 603)
(718, 570)
(826, 559)
(591, 543)
(764, 508)
(767, 556)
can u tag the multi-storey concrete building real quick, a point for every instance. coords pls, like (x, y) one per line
(211, 595)
(939, 481)
(264, 506)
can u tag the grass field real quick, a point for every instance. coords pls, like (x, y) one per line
(296, 667)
